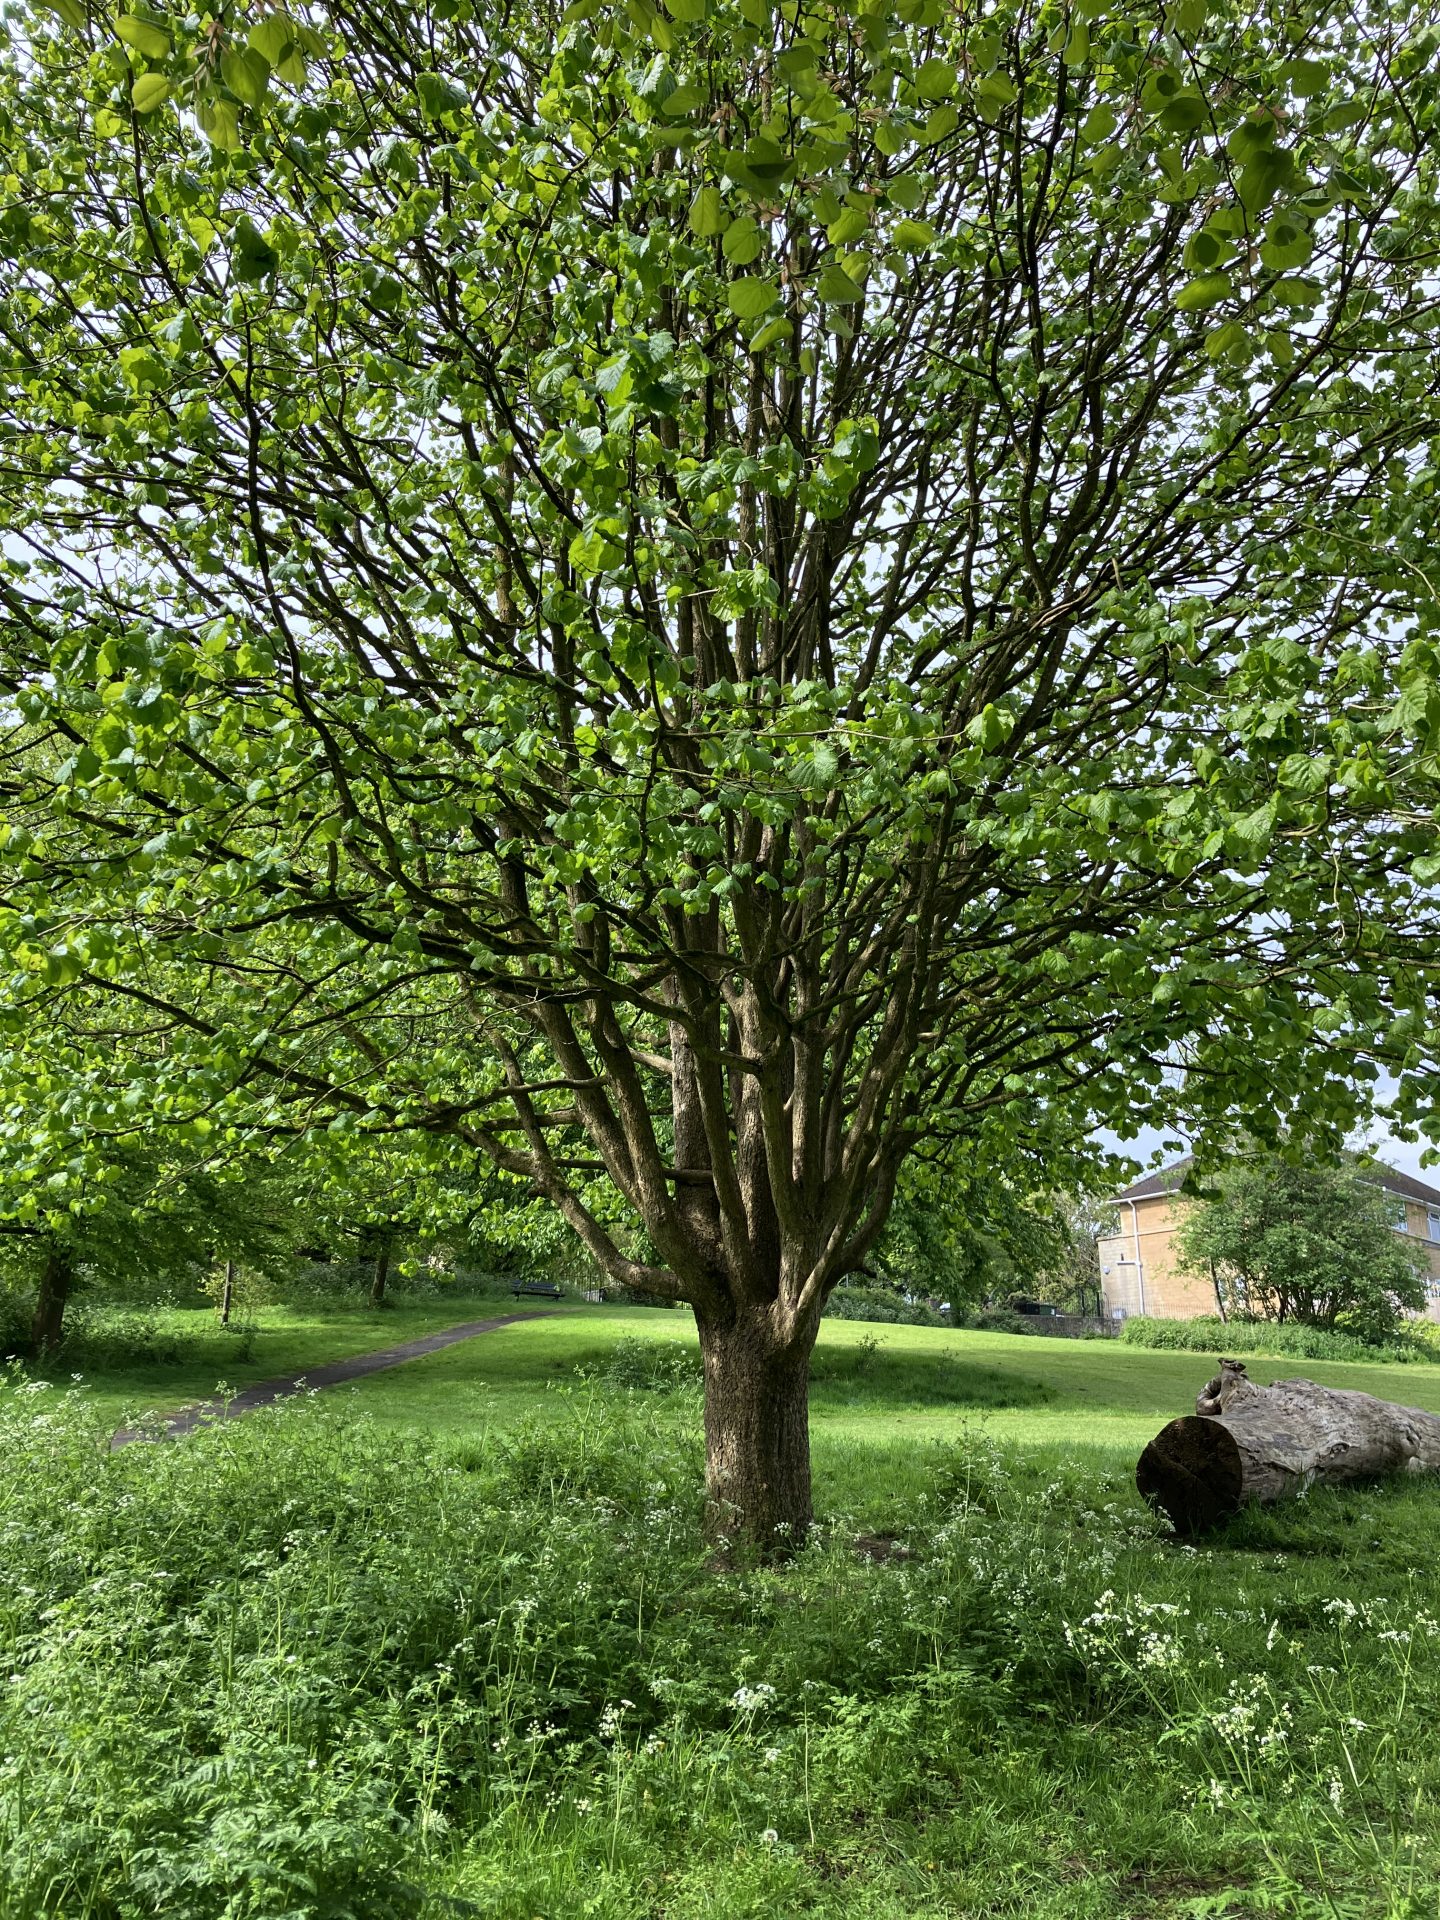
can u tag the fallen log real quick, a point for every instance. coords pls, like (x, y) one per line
(1246, 1442)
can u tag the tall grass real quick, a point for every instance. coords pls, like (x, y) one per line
(297, 1666)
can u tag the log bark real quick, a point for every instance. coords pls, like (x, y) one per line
(1246, 1442)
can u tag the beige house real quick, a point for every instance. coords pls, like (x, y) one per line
(1140, 1270)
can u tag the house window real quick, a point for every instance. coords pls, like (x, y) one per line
(1432, 1222)
(1398, 1217)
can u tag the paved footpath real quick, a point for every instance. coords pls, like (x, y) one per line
(335, 1373)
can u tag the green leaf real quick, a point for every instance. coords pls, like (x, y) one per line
(252, 257)
(1206, 291)
(941, 124)
(1286, 244)
(688, 12)
(743, 241)
(935, 79)
(1307, 77)
(685, 99)
(748, 298)
(247, 75)
(797, 60)
(998, 88)
(991, 727)
(707, 213)
(780, 328)
(220, 124)
(1190, 16)
(1098, 124)
(1293, 291)
(847, 226)
(144, 36)
(915, 236)
(1263, 178)
(837, 289)
(70, 11)
(1205, 250)
(276, 39)
(440, 95)
(1077, 47)
(150, 91)
(1231, 338)
(1183, 114)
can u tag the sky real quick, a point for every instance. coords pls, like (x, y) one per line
(1403, 1155)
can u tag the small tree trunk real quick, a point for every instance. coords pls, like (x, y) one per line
(757, 1438)
(54, 1290)
(1219, 1292)
(380, 1272)
(1246, 1442)
(227, 1293)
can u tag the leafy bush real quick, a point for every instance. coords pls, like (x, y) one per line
(648, 1366)
(1210, 1334)
(882, 1304)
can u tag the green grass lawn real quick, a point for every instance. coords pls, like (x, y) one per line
(878, 1392)
(881, 1394)
(444, 1642)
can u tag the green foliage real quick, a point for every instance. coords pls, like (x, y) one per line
(1311, 1243)
(1208, 1333)
(647, 1366)
(301, 1664)
(852, 1301)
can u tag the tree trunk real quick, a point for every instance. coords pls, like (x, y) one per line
(227, 1293)
(380, 1271)
(757, 1438)
(54, 1290)
(1246, 1442)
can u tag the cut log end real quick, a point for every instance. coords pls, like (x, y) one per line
(1193, 1472)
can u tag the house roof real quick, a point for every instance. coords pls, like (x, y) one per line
(1168, 1179)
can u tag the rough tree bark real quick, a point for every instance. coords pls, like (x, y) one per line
(1247, 1442)
(757, 1434)
(56, 1277)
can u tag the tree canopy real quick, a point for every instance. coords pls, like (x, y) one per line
(1314, 1244)
(697, 596)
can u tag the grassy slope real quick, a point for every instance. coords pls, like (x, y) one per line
(287, 1339)
(881, 1393)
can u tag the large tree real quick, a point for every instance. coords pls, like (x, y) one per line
(697, 595)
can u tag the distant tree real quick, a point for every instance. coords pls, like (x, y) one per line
(1312, 1244)
(1068, 1274)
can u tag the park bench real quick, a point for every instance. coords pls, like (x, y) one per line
(546, 1288)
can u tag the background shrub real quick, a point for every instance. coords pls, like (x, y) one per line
(1210, 1334)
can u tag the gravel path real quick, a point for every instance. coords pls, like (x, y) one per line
(334, 1373)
